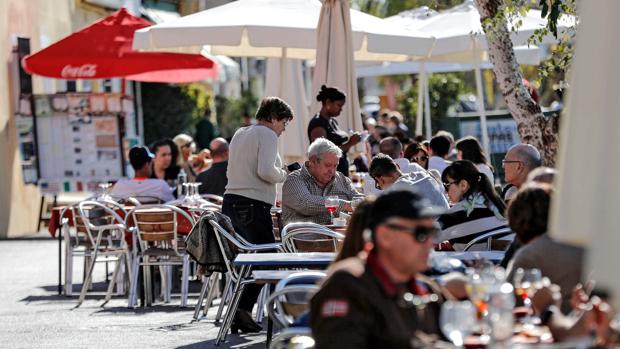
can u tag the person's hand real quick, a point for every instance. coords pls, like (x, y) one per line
(546, 296)
(355, 138)
(579, 297)
(204, 154)
(347, 206)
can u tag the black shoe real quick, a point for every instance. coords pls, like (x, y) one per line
(243, 322)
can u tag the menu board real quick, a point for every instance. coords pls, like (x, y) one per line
(79, 140)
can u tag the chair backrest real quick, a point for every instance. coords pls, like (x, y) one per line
(102, 218)
(292, 295)
(212, 198)
(138, 200)
(225, 237)
(310, 237)
(490, 239)
(158, 224)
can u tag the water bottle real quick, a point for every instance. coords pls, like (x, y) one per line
(181, 179)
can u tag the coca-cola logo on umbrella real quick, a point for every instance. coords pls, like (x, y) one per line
(83, 71)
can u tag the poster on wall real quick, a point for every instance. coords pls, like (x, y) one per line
(502, 133)
(79, 139)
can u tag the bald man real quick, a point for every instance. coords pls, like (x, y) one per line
(214, 179)
(519, 161)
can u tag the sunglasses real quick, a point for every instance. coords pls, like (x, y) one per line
(421, 234)
(419, 158)
(447, 185)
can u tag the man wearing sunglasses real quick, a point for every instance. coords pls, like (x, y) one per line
(383, 301)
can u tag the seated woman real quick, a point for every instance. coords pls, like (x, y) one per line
(476, 207)
(527, 214)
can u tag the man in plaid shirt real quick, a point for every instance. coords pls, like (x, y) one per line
(305, 190)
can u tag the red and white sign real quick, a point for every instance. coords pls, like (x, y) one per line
(79, 72)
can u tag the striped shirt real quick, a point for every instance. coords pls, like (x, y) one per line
(304, 201)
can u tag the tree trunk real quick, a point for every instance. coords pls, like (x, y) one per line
(534, 128)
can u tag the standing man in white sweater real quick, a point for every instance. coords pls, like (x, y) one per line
(254, 168)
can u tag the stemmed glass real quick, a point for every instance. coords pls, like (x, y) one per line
(331, 204)
(527, 282)
(105, 192)
(457, 320)
(196, 196)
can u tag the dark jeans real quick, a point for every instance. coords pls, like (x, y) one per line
(252, 220)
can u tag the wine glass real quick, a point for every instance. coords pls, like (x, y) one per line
(197, 197)
(526, 283)
(357, 200)
(457, 320)
(331, 204)
(105, 192)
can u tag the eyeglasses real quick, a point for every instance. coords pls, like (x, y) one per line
(447, 185)
(188, 145)
(504, 162)
(421, 234)
(419, 158)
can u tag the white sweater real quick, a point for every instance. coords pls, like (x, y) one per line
(254, 165)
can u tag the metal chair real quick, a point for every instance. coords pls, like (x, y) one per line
(295, 337)
(105, 232)
(291, 296)
(489, 237)
(310, 237)
(158, 244)
(239, 278)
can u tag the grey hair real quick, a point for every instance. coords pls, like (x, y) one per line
(542, 175)
(528, 154)
(322, 146)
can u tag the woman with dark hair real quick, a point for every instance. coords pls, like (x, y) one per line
(468, 148)
(476, 207)
(528, 214)
(254, 168)
(165, 160)
(416, 152)
(354, 241)
(324, 124)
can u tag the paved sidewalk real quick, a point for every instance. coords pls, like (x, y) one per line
(33, 315)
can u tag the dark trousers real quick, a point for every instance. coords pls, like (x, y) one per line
(252, 220)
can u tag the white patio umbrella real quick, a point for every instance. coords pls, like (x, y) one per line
(585, 206)
(285, 79)
(334, 60)
(460, 39)
(280, 28)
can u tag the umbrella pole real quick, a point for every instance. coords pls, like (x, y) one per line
(480, 100)
(421, 78)
(427, 109)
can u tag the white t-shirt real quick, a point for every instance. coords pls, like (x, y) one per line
(423, 184)
(484, 168)
(437, 163)
(143, 187)
(405, 166)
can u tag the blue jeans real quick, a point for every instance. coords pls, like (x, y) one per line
(252, 220)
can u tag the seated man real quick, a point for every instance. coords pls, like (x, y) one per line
(439, 150)
(383, 301)
(141, 185)
(388, 177)
(214, 179)
(393, 148)
(305, 190)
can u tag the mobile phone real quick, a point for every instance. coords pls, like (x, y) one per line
(294, 166)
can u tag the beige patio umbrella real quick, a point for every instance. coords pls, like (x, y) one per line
(334, 61)
(585, 206)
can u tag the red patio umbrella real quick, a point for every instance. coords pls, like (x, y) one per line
(104, 50)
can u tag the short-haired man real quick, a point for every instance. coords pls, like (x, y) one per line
(142, 185)
(393, 148)
(388, 178)
(383, 301)
(519, 161)
(439, 148)
(214, 179)
(305, 190)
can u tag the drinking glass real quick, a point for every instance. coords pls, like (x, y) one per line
(526, 283)
(357, 200)
(197, 197)
(457, 320)
(331, 204)
(105, 192)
